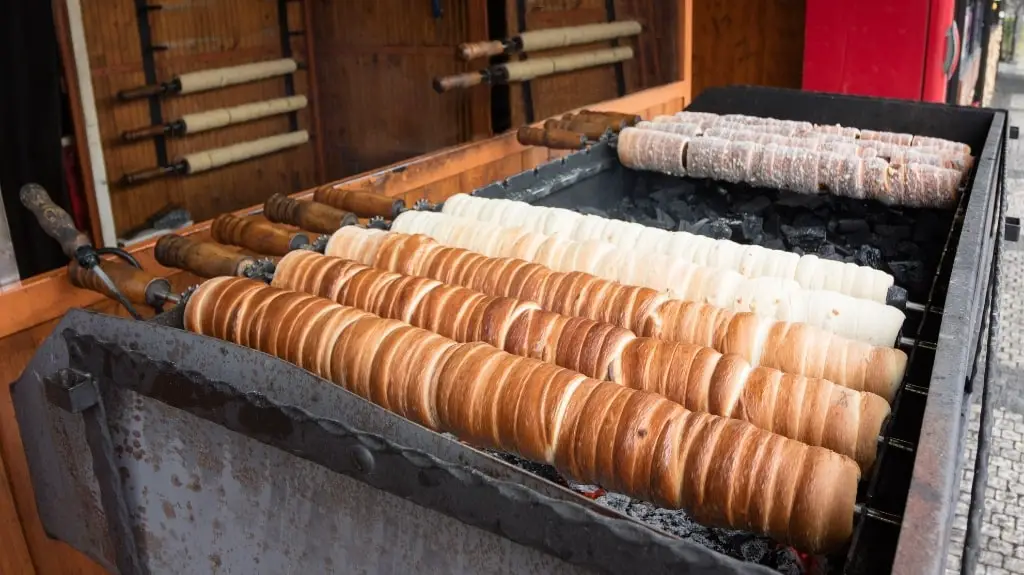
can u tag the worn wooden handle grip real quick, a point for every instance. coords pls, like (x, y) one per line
(362, 204)
(630, 119)
(53, 219)
(554, 138)
(308, 215)
(149, 174)
(591, 130)
(613, 123)
(205, 259)
(142, 92)
(467, 80)
(147, 132)
(134, 283)
(473, 50)
(259, 236)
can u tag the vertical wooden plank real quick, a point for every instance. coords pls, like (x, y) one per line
(313, 92)
(14, 554)
(684, 40)
(67, 58)
(747, 42)
(783, 54)
(479, 97)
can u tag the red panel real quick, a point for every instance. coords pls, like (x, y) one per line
(935, 74)
(867, 47)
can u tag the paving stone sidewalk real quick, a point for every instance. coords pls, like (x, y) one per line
(1002, 532)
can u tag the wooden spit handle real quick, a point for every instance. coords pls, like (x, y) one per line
(53, 219)
(152, 173)
(590, 130)
(555, 138)
(609, 122)
(143, 92)
(147, 132)
(473, 50)
(467, 80)
(360, 203)
(630, 119)
(138, 287)
(262, 237)
(205, 259)
(308, 215)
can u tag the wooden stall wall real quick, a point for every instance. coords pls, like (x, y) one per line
(655, 52)
(376, 63)
(33, 307)
(197, 35)
(758, 42)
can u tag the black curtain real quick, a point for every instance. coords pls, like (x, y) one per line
(31, 108)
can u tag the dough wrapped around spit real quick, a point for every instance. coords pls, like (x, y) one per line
(927, 142)
(723, 471)
(751, 261)
(887, 137)
(812, 410)
(703, 119)
(767, 294)
(656, 151)
(719, 149)
(690, 130)
(836, 130)
(760, 341)
(743, 135)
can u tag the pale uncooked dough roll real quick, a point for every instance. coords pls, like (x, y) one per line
(522, 70)
(550, 38)
(220, 77)
(217, 157)
(690, 248)
(213, 119)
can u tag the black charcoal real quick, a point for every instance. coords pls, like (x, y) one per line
(772, 224)
(666, 221)
(808, 220)
(894, 232)
(795, 200)
(718, 229)
(908, 250)
(752, 229)
(869, 256)
(828, 251)
(666, 195)
(897, 297)
(909, 273)
(756, 205)
(680, 210)
(849, 226)
(808, 239)
(591, 211)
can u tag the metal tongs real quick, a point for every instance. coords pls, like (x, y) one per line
(85, 257)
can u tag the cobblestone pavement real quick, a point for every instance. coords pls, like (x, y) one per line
(1002, 533)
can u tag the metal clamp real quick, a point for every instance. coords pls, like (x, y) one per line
(78, 392)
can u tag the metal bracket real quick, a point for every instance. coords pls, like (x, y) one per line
(78, 392)
(1012, 232)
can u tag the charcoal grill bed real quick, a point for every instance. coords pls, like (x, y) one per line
(943, 340)
(156, 450)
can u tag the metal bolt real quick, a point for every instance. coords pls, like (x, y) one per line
(362, 459)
